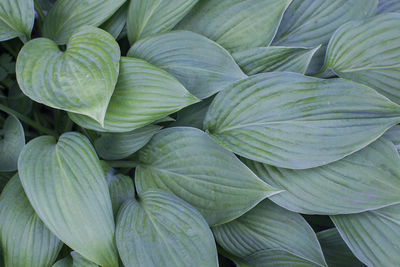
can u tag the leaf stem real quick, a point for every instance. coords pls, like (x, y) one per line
(39, 10)
(122, 164)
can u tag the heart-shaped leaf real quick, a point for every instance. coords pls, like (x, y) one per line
(161, 229)
(67, 188)
(16, 19)
(81, 79)
(68, 15)
(387, 6)
(144, 94)
(11, 144)
(201, 65)
(294, 121)
(25, 240)
(188, 163)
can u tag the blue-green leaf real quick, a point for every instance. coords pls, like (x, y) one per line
(16, 19)
(11, 144)
(387, 6)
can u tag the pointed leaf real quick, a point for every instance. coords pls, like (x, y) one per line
(117, 22)
(387, 6)
(193, 116)
(16, 19)
(11, 144)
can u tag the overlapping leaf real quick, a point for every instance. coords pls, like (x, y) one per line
(11, 144)
(193, 116)
(393, 135)
(74, 260)
(387, 6)
(16, 19)
(117, 22)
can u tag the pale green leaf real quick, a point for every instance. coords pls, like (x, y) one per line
(202, 66)
(81, 79)
(68, 190)
(16, 19)
(294, 121)
(74, 260)
(12, 142)
(188, 163)
(393, 135)
(117, 22)
(68, 15)
(386, 6)
(193, 116)
(161, 229)
(236, 24)
(25, 240)
(144, 94)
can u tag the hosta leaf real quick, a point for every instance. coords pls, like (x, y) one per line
(368, 52)
(337, 253)
(16, 19)
(268, 226)
(274, 58)
(17, 101)
(68, 190)
(149, 17)
(144, 94)
(117, 22)
(293, 121)
(160, 229)
(386, 6)
(193, 115)
(393, 135)
(81, 79)
(373, 236)
(74, 260)
(201, 65)
(236, 24)
(25, 240)
(4, 178)
(365, 180)
(12, 142)
(274, 258)
(68, 15)
(186, 162)
(115, 146)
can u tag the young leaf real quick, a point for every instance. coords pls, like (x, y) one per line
(236, 24)
(16, 19)
(293, 121)
(387, 6)
(81, 79)
(11, 144)
(25, 240)
(67, 188)
(144, 94)
(201, 65)
(160, 229)
(188, 163)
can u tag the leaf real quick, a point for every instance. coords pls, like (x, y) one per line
(160, 229)
(365, 180)
(368, 52)
(81, 79)
(236, 24)
(25, 240)
(336, 252)
(116, 146)
(74, 260)
(11, 144)
(386, 6)
(268, 226)
(293, 121)
(393, 135)
(4, 178)
(17, 101)
(149, 17)
(117, 22)
(16, 19)
(68, 15)
(144, 94)
(193, 115)
(274, 58)
(372, 236)
(274, 258)
(201, 65)
(186, 162)
(67, 188)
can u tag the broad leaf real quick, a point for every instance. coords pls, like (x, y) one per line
(25, 240)
(12, 142)
(81, 79)
(393, 135)
(160, 229)
(117, 22)
(386, 6)
(268, 226)
(74, 260)
(144, 94)
(186, 162)
(16, 19)
(68, 190)
(293, 121)
(68, 15)
(236, 24)
(201, 65)
(193, 116)
(274, 258)
(149, 17)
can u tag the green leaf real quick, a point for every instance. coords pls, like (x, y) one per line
(274, 258)
(4, 178)
(193, 116)
(25, 240)
(11, 144)
(74, 260)
(186, 162)
(274, 58)
(365, 180)
(160, 229)
(393, 135)
(268, 226)
(16, 19)
(337, 253)
(149, 17)
(68, 15)
(368, 51)
(17, 101)
(117, 22)
(144, 94)
(115, 146)
(386, 6)
(201, 65)
(372, 236)
(293, 121)
(236, 24)
(68, 190)
(81, 79)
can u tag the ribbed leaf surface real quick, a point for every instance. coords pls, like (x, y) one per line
(11, 144)
(16, 19)
(386, 6)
